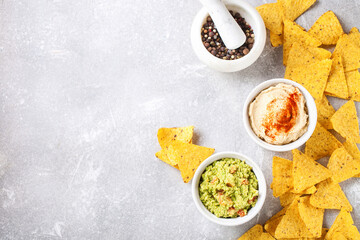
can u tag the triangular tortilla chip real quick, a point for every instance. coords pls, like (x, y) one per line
(345, 121)
(287, 198)
(310, 190)
(272, 14)
(353, 150)
(336, 85)
(295, 33)
(162, 155)
(321, 143)
(300, 55)
(276, 39)
(349, 52)
(166, 135)
(188, 157)
(339, 236)
(352, 233)
(294, 8)
(353, 83)
(354, 30)
(341, 224)
(266, 236)
(342, 165)
(271, 224)
(330, 196)
(303, 178)
(327, 29)
(354, 35)
(312, 216)
(325, 111)
(319, 53)
(323, 234)
(291, 224)
(313, 77)
(282, 176)
(253, 233)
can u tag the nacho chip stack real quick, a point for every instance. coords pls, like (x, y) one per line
(167, 135)
(178, 151)
(306, 188)
(340, 78)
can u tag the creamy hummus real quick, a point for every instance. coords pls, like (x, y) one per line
(278, 115)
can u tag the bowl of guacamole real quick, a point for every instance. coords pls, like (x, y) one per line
(229, 188)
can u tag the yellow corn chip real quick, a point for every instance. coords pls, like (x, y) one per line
(345, 121)
(325, 111)
(276, 39)
(352, 233)
(266, 236)
(327, 29)
(319, 53)
(287, 198)
(271, 224)
(353, 150)
(339, 236)
(312, 216)
(272, 14)
(349, 52)
(301, 55)
(291, 224)
(342, 165)
(321, 143)
(323, 234)
(279, 214)
(162, 155)
(354, 35)
(336, 85)
(294, 33)
(294, 8)
(353, 83)
(354, 30)
(330, 196)
(282, 172)
(253, 233)
(310, 190)
(341, 224)
(166, 135)
(188, 157)
(303, 178)
(313, 77)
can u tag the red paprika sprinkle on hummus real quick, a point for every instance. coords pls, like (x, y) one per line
(278, 114)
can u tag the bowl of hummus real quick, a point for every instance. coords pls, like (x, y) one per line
(229, 188)
(280, 115)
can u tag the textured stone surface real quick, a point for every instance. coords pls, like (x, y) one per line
(84, 87)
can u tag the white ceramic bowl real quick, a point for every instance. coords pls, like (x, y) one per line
(312, 112)
(251, 16)
(229, 221)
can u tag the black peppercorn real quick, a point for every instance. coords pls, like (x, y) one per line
(214, 44)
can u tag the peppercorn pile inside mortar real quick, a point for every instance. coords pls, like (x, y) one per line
(213, 43)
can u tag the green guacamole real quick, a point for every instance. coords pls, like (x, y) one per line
(228, 188)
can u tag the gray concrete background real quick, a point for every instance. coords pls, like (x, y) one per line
(84, 86)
